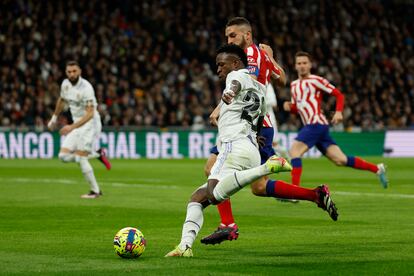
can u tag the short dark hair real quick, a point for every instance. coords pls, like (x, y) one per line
(303, 54)
(72, 63)
(238, 21)
(234, 50)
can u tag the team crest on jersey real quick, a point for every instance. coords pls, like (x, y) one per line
(251, 61)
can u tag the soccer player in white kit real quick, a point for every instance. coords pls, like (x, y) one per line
(78, 144)
(238, 163)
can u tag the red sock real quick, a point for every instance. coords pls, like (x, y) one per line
(361, 164)
(226, 214)
(282, 189)
(296, 173)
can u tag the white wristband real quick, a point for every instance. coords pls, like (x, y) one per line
(54, 119)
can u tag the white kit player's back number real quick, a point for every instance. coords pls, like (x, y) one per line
(249, 112)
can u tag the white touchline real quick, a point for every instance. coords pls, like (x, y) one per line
(71, 182)
(166, 186)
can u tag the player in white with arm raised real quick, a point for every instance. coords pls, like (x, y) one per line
(238, 162)
(79, 94)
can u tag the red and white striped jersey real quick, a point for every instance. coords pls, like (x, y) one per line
(260, 65)
(307, 97)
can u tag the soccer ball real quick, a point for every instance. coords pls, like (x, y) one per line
(129, 243)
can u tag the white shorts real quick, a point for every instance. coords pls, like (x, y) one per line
(84, 137)
(235, 156)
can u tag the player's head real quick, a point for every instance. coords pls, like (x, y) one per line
(73, 71)
(303, 63)
(230, 57)
(239, 31)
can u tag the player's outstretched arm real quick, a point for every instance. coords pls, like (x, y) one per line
(58, 109)
(88, 115)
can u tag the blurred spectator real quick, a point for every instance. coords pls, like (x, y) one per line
(152, 63)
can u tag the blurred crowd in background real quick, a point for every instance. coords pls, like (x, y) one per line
(152, 63)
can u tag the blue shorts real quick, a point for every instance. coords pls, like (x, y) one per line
(316, 135)
(266, 151)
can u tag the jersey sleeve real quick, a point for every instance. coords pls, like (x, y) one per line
(234, 75)
(324, 85)
(252, 64)
(89, 95)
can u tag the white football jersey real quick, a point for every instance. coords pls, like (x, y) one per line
(77, 96)
(237, 118)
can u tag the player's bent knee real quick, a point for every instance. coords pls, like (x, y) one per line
(65, 157)
(259, 189)
(339, 162)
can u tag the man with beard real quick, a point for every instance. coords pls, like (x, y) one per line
(77, 147)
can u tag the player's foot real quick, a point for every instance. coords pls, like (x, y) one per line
(102, 157)
(177, 252)
(277, 164)
(223, 233)
(287, 200)
(382, 175)
(325, 201)
(92, 195)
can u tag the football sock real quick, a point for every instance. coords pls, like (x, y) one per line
(296, 170)
(361, 164)
(233, 183)
(192, 224)
(67, 157)
(281, 189)
(93, 155)
(282, 151)
(226, 215)
(87, 171)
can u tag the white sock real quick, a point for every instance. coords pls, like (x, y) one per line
(87, 171)
(282, 151)
(93, 155)
(233, 183)
(192, 224)
(67, 157)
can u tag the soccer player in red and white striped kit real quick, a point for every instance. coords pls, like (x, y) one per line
(261, 66)
(306, 98)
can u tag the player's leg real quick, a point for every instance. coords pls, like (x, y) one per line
(193, 220)
(297, 150)
(88, 134)
(336, 155)
(307, 137)
(279, 189)
(88, 173)
(66, 153)
(227, 223)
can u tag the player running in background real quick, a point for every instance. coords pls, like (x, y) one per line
(238, 162)
(306, 101)
(79, 94)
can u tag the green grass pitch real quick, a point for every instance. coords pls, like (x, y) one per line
(45, 228)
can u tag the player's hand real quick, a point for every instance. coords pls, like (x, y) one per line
(66, 130)
(286, 106)
(261, 141)
(337, 118)
(267, 49)
(228, 97)
(52, 123)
